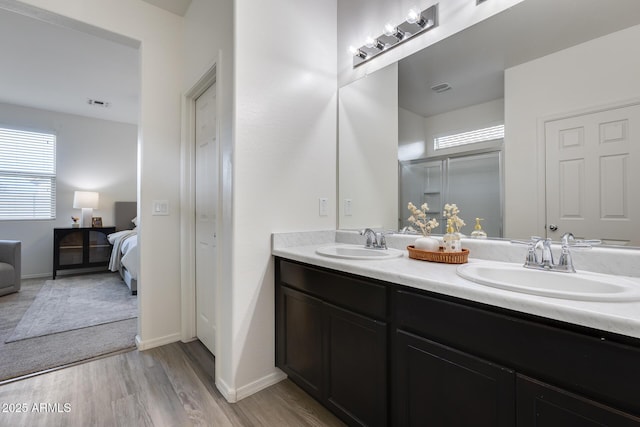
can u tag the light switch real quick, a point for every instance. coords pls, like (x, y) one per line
(347, 207)
(323, 203)
(160, 207)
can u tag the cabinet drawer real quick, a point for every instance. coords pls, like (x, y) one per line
(357, 295)
(586, 364)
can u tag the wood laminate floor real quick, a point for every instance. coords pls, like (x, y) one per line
(171, 385)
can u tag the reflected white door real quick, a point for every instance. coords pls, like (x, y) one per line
(206, 200)
(592, 177)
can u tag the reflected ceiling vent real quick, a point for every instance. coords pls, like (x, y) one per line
(98, 103)
(441, 87)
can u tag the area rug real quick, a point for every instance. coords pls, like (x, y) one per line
(72, 303)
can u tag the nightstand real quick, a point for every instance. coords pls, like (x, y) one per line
(81, 248)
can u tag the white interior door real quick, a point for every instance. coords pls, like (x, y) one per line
(593, 170)
(206, 200)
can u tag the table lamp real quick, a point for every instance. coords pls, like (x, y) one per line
(87, 201)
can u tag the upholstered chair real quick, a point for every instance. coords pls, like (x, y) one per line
(10, 262)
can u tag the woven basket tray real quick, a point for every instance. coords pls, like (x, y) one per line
(439, 256)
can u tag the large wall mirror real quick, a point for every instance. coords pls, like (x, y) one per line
(536, 112)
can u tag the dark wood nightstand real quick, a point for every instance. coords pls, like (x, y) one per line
(81, 247)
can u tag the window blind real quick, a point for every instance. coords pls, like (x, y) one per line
(471, 137)
(27, 175)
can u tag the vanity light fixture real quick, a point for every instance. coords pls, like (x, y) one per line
(417, 23)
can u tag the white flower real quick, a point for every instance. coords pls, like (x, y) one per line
(419, 218)
(451, 213)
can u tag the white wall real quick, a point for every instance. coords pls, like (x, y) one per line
(161, 37)
(418, 143)
(92, 154)
(411, 137)
(368, 151)
(284, 159)
(590, 75)
(358, 19)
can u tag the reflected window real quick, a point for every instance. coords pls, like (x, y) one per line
(471, 137)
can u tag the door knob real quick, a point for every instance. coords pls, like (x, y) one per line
(553, 227)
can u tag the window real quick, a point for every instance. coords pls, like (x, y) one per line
(27, 175)
(471, 137)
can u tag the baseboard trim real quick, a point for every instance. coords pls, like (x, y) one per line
(157, 342)
(227, 392)
(235, 395)
(260, 384)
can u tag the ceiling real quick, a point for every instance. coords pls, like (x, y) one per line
(57, 68)
(179, 7)
(473, 61)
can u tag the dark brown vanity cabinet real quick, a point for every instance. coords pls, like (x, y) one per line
(332, 340)
(479, 361)
(448, 387)
(377, 353)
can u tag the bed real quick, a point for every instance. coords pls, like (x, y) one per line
(124, 255)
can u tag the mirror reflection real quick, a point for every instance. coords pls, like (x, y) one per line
(563, 82)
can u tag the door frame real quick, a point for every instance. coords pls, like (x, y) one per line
(542, 151)
(187, 202)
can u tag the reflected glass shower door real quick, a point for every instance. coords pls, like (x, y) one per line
(474, 183)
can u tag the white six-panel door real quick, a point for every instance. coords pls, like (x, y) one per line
(593, 176)
(206, 199)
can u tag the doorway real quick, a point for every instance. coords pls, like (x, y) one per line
(590, 175)
(206, 204)
(201, 208)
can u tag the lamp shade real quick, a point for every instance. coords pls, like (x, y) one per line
(85, 199)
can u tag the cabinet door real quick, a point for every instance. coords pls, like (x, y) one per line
(356, 367)
(300, 339)
(99, 248)
(542, 405)
(436, 385)
(70, 247)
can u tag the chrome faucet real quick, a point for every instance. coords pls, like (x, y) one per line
(374, 240)
(545, 261)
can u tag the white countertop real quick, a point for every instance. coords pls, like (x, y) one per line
(617, 317)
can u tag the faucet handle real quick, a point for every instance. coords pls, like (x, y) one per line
(382, 240)
(568, 240)
(532, 257)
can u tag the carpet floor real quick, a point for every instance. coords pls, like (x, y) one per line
(60, 348)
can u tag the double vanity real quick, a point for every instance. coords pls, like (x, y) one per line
(382, 339)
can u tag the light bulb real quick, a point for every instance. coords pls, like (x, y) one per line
(413, 16)
(357, 52)
(389, 30)
(369, 42)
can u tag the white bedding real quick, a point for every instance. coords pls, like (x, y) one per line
(125, 251)
(129, 258)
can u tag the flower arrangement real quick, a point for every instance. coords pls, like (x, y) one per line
(419, 218)
(75, 219)
(451, 212)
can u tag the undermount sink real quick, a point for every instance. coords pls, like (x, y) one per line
(582, 285)
(346, 251)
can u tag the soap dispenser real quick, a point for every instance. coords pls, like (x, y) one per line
(451, 240)
(478, 232)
